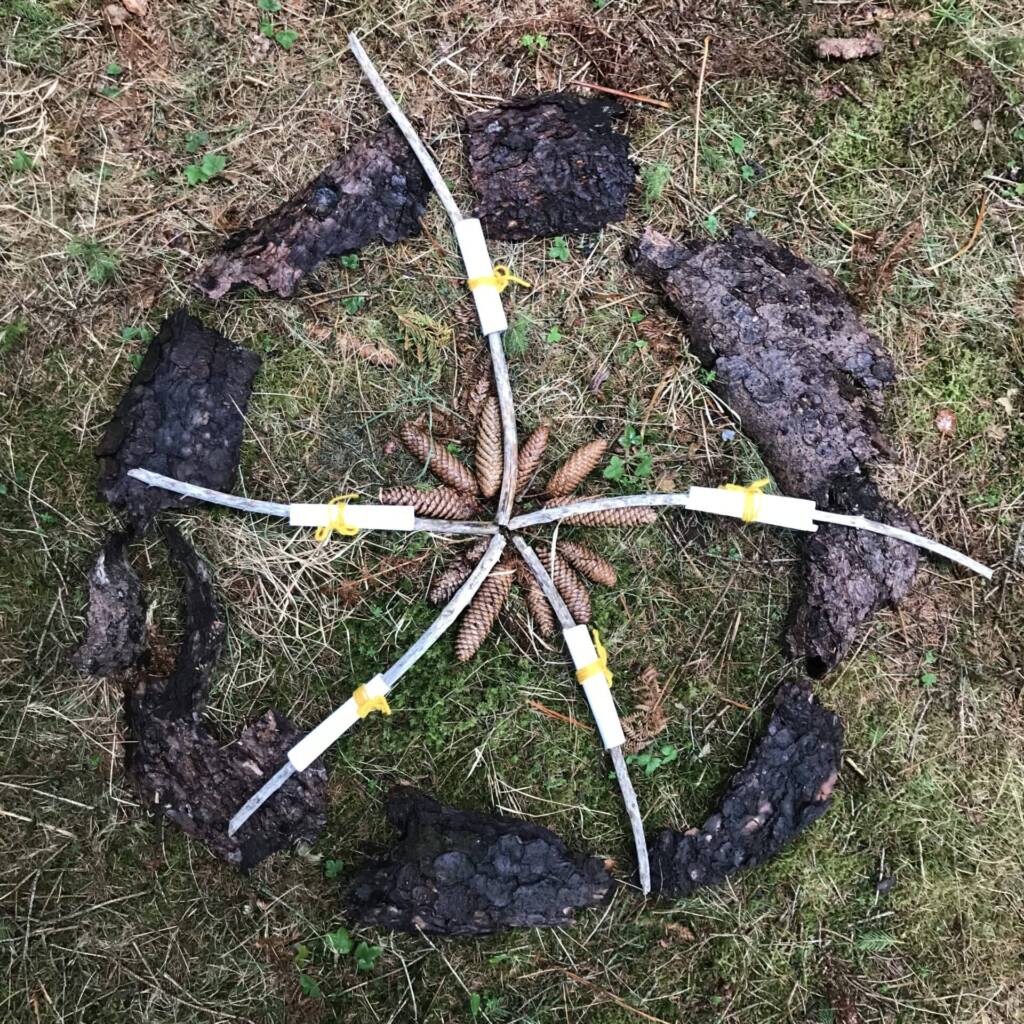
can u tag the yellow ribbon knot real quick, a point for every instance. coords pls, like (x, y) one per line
(365, 704)
(752, 502)
(336, 522)
(501, 279)
(598, 667)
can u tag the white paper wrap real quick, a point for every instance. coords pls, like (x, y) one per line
(365, 517)
(599, 695)
(473, 247)
(772, 509)
(334, 726)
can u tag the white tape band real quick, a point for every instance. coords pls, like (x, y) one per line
(364, 517)
(596, 690)
(473, 246)
(772, 509)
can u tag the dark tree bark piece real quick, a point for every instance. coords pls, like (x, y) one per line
(377, 191)
(805, 377)
(549, 165)
(785, 787)
(115, 638)
(875, 571)
(464, 873)
(197, 781)
(182, 415)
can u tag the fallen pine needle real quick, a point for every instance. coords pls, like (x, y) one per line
(551, 713)
(696, 112)
(618, 1000)
(969, 244)
(664, 104)
(735, 703)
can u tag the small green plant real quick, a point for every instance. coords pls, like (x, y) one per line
(11, 334)
(517, 337)
(738, 144)
(712, 225)
(489, 1005)
(136, 334)
(637, 316)
(635, 465)
(286, 38)
(366, 956)
(354, 303)
(310, 987)
(195, 141)
(21, 162)
(559, 248)
(534, 43)
(332, 868)
(206, 169)
(600, 5)
(656, 177)
(114, 69)
(100, 262)
(110, 92)
(554, 335)
(272, 6)
(651, 761)
(874, 942)
(338, 942)
(350, 261)
(949, 12)
(928, 676)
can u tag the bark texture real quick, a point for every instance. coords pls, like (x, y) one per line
(196, 780)
(182, 415)
(376, 192)
(115, 638)
(805, 377)
(463, 873)
(549, 165)
(785, 787)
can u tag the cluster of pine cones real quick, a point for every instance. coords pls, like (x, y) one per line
(462, 495)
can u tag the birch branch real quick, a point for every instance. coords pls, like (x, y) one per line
(547, 584)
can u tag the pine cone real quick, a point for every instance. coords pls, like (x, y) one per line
(439, 503)
(480, 616)
(530, 455)
(443, 464)
(578, 466)
(570, 586)
(445, 585)
(588, 562)
(438, 423)
(540, 610)
(609, 517)
(478, 387)
(488, 459)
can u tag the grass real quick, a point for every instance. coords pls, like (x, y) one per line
(111, 917)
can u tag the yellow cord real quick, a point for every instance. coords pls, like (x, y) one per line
(752, 502)
(336, 522)
(599, 667)
(501, 279)
(365, 704)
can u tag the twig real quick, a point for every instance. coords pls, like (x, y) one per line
(451, 611)
(969, 244)
(664, 104)
(696, 112)
(551, 713)
(629, 800)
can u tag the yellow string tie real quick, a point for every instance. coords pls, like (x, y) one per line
(365, 704)
(336, 522)
(501, 279)
(752, 502)
(598, 667)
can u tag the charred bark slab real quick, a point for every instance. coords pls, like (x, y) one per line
(785, 787)
(182, 415)
(549, 165)
(464, 873)
(805, 378)
(377, 191)
(181, 770)
(115, 638)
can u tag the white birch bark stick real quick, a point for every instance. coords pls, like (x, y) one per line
(273, 508)
(451, 611)
(559, 512)
(565, 619)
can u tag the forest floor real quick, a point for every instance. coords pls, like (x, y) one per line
(900, 174)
